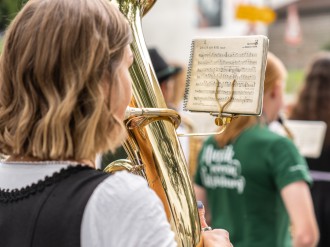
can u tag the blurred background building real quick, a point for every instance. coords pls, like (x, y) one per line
(296, 29)
(309, 33)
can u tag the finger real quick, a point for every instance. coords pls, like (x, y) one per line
(222, 232)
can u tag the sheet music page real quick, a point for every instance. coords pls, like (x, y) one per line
(308, 136)
(240, 58)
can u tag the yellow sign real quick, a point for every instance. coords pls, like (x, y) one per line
(253, 14)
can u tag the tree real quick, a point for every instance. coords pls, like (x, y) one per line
(326, 46)
(8, 10)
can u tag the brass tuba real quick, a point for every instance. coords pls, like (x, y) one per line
(152, 142)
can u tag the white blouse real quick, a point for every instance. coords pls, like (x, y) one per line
(122, 211)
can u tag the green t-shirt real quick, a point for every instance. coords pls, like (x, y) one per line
(243, 181)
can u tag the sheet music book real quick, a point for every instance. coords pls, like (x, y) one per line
(241, 58)
(308, 136)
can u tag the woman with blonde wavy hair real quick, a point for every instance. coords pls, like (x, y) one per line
(64, 89)
(254, 182)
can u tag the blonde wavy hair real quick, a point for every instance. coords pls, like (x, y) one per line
(275, 71)
(52, 102)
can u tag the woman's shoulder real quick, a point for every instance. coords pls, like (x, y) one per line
(119, 205)
(263, 133)
(262, 138)
(123, 189)
(121, 184)
(210, 140)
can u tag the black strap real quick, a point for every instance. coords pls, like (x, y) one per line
(50, 216)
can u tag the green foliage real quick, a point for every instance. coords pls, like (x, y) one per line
(294, 81)
(8, 10)
(326, 46)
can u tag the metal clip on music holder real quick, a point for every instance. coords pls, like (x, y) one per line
(140, 117)
(222, 119)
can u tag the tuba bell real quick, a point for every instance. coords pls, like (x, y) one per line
(152, 144)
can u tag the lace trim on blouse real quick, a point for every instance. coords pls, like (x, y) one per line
(7, 196)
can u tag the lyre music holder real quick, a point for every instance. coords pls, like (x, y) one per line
(140, 117)
(222, 119)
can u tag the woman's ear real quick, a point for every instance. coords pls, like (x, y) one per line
(276, 91)
(273, 92)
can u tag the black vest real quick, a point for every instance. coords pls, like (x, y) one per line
(49, 213)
